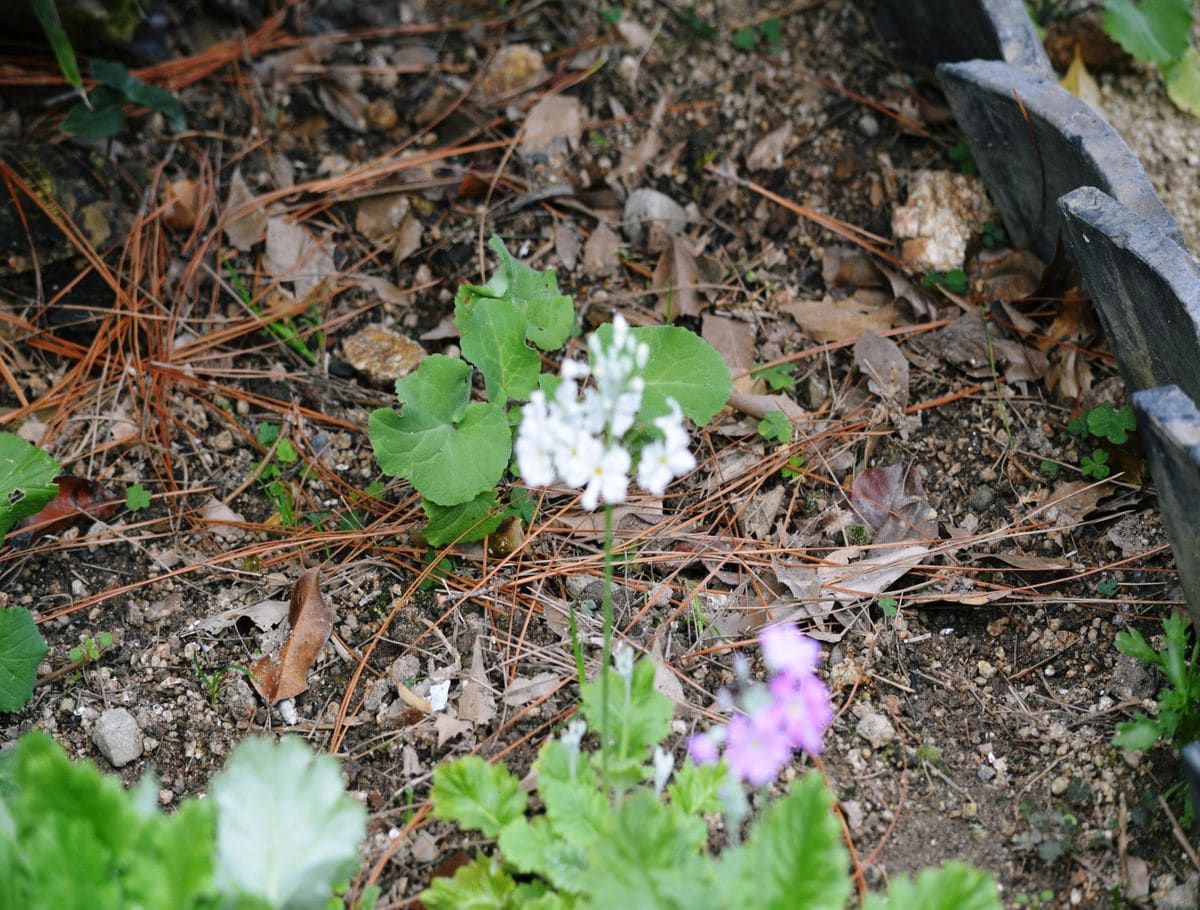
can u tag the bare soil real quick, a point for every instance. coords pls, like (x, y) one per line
(973, 724)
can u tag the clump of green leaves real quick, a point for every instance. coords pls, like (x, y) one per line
(89, 650)
(768, 34)
(779, 378)
(960, 154)
(1102, 423)
(794, 469)
(101, 114)
(455, 450)
(1178, 719)
(1105, 422)
(954, 281)
(775, 427)
(26, 486)
(993, 234)
(1095, 465)
(1159, 32)
(277, 831)
(137, 497)
(1051, 834)
(643, 842)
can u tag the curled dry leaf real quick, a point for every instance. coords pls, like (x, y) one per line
(77, 498)
(284, 675)
(768, 152)
(247, 229)
(882, 362)
(552, 127)
(891, 500)
(840, 320)
(296, 254)
(600, 251)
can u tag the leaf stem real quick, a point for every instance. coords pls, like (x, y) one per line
(606, 651)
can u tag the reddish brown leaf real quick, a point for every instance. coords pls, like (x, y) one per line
(892, 501)
(284, 675)
(77, 498)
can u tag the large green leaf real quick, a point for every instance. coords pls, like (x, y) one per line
(286, 829)
(650, 862)
(549, 316)
(638, 720)
(477, 795)
(47, 14)
(1153, 31)
(1183, 82)
(794, 855)
(493, 338)
(26, 480)
(479, 885)
(451, 449)
(682, 366)
(21, 650)
(76, 838)
(466, 522)
(956, 886)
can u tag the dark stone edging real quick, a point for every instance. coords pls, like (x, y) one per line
(1034, 141)
(1119, 234)
(949, 30)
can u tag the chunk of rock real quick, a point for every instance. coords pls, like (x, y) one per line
(118, 737)
(876, 729)
(944, 210)
(382, 354)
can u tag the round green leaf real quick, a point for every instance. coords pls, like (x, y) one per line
(21, 650)
(26, 480)
(682, 366)
(449, 448)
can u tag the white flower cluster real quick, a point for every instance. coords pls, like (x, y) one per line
(580, 441)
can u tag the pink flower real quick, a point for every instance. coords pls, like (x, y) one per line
(703, 749)
(758, 746)
(787, 650)
(804, 709)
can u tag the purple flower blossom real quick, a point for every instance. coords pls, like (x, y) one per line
(703, 749)
(804, 710)
(758, 746)
(787, 650)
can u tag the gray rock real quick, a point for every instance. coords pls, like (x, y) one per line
(645, 206)
(1169, 424)
(985, 773)
(942, 31)
(1028, 165)
(876, 729)
(118, 737)
(981, 497)
(1145, 286)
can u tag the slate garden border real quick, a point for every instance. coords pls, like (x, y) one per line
(1065, 182)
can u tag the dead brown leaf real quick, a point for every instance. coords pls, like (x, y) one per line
(676, 277)
(734, 340)
(600, 252)
(768, 152)
(552, 127)
(850, 268)
(296, 254)
(284, 675)
(839, 320)
(1007, 275)
(248, 229)
(892, 501)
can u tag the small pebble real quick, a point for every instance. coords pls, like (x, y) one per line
(986, 772)
(118, 737)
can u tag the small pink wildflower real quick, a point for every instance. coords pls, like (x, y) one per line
(804, 710)
(703, 749)
(757, 747)
(785, 649)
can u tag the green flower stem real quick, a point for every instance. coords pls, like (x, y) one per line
(577, 646)
(606, 652)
